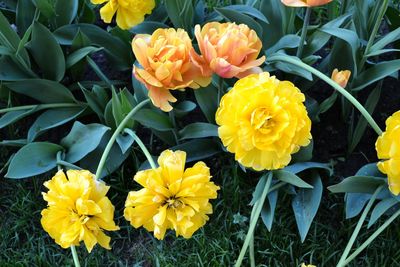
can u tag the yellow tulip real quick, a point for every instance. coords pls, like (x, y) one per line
(129, 12)
(341, 77)
(305, 3)
(263, 121)
(388, 149)
(171, 197)
(166, 65)
(78, 210)
(228, 49)
(309, 265)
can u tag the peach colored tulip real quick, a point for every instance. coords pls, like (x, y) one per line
(341, 77)
(228, 49)
(166, 65)
(305, 3)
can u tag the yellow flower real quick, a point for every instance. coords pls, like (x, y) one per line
(129, 12)
(305, 3)
(388, 148)
(228, 49)
(78, 209)
(309, 265)
(263, 121)
(166, 65)
(341, 77)
(172, 197)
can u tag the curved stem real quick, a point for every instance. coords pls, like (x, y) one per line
(40, 107)
(304, 32)
(336, 86)
(75, 256)
(142, 147)
(371, 238)
(115, 135)
(358, 227)
(257, 207)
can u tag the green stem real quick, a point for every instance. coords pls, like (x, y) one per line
(257, 207)
(358, 227)
(304, 32)
(142, 147)
(115, 135)
(375, 30)
(39, 107)
(75, 256)
(371, 238)
(251, 245)
(336, 86)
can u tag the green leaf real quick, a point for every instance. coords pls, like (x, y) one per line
(33, 159)
(97, 99)
(385, 40)
(45, 7)
(380, 209)
(148, 27)
(153, 120)
(45, 91)
(25, 14)
(358, 184)
(51, 59)
(370, 169)
(376, 73)
(198, 130)
(52, 118)
(240, 18)
(328, 103)
(248, 10)
(287, 41)
(259, 189)
(199, 149)
(181, 13)
(302, 166)
(304, 154)
(207, 98)
(13, 116)
(66, 11)
(14, 70)
(380, 52)
(291, 178)
(82, 139)
(125, 142)
(80, 54)
(290, 68)
(268, 210)
(305, 205)
(183, 108)
(355, 203)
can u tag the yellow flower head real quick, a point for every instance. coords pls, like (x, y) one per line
(228, 49)
(78, 209)
(166, 65)
(172, 197)
(341, 77)
(309, 265)
(388, 148)
(129, 12)
(305, 3)
(263, 121)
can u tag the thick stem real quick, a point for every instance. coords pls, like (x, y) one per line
(371, 238)
(304, 32)
(75, 257)
(142, 147)
(258, 207)
(119, 129)
(251, 245)
(358, 228)
(336, 86)
(40, 107)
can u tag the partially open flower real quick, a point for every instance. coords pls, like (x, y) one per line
(263, 121)
(305, 3)
(341, 77)
(228, 49)
(129, 12)
(388, 148)
(166, 65)
(309, 265)
(172, 197)
(78, 210)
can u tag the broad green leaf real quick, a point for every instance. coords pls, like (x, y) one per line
(291, 178)
(82, 139)
(52, 118)
(97, 99)
(370, 169)
(198, 130)
(181, 13)
(305, 205)
(33, 159)
(16, 143)
(355, 203)
(287, 41)
(259, 189)
(240, 18)
(66, 11)
(45, 7)
(183, 108)
(380, 52)
(207, 98)
(80, 54)
(301, 166)
(290, 68)
(248, 10)
(272, 32)
(45, 91)
(358, 184)
(304, 154)
(25, 14)
(51, 59)
(380, 209)
(148, 27)
(328, 103)
(385, 40)
(268, 210)
(153, 120)
(125, 142)
(199, 149)
(15, 71)
(13, 116)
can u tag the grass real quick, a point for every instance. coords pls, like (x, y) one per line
(24, 243)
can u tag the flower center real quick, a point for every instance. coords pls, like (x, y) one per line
(174, 203)
(262, 120)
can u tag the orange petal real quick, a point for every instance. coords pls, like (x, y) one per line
(161, 98)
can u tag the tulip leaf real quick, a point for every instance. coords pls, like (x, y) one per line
(355, 203)
(207, 98)
(153, 120)
(66, 11)
(183, 108)
(14, 71)
(358, 184)
(13, 116)
(248, 10)
(302, 166)
(148, 27)
(381, 208)
(198, 130)
(199, 149)
(370, 169)
(385, 40)
(80, 54)
(33, 159)
(268, 210)
(125, 142)
(240, 18)
(291, 178)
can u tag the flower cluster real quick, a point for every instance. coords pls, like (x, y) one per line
(263, 121)
(388, 148)
(172, 197)
(78, 210)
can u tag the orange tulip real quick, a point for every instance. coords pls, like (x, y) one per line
(341, 77)
(305, 3)
(166, 65)
(228, 49)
